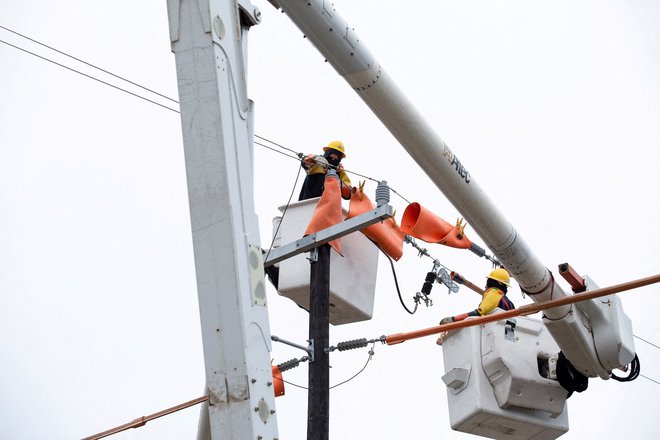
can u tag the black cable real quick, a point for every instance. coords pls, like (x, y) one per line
(88, 64)
(634, 372)
(90, 77)
(293, 190)
(396, 283)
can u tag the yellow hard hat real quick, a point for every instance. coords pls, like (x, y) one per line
(500, 275)
(336, 145)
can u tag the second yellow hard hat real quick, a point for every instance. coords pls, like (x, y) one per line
(500, 275)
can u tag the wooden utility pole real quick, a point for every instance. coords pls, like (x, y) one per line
(318, 400)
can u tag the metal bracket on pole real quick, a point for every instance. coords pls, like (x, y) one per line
(251, 12)
(309, 349)
(313, 255)
(326, 235)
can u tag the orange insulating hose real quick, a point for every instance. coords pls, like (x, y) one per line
(328, 210)
(385, 234)
(524, 310)
(423, 224)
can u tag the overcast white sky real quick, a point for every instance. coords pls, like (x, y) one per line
(553, 107)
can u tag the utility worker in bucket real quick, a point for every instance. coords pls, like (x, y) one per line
(317, 166)
(494, 296)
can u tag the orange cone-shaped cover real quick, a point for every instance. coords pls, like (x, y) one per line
(328, 211)
(385, 234)
(423, 224)
(278, 381)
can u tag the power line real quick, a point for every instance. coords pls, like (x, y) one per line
(273, 149)
(283, 213)
(371, 355)
(650, 343)
(89, 76)
(652, 380)
(88, 64)
(298, 154)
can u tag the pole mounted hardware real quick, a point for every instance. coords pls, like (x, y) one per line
(309, 349)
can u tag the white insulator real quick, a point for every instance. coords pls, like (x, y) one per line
(382, 193)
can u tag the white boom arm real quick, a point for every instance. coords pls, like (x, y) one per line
(340, 45)
(216, 117)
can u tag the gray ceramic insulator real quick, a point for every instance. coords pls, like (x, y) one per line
(382, 193)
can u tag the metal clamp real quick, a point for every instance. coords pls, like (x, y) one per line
(309, 349)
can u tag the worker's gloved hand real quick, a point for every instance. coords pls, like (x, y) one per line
(321, 161)
(447, 320)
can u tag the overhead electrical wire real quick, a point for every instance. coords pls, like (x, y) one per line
(638, 373)
(283, 214)
(650, 343)
(273, 149)
(279, 145)
(298, 155)
(88, 64)
(652, 380)
(89, 76)
(371, 355)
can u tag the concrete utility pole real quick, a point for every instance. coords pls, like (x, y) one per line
(209, 40)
